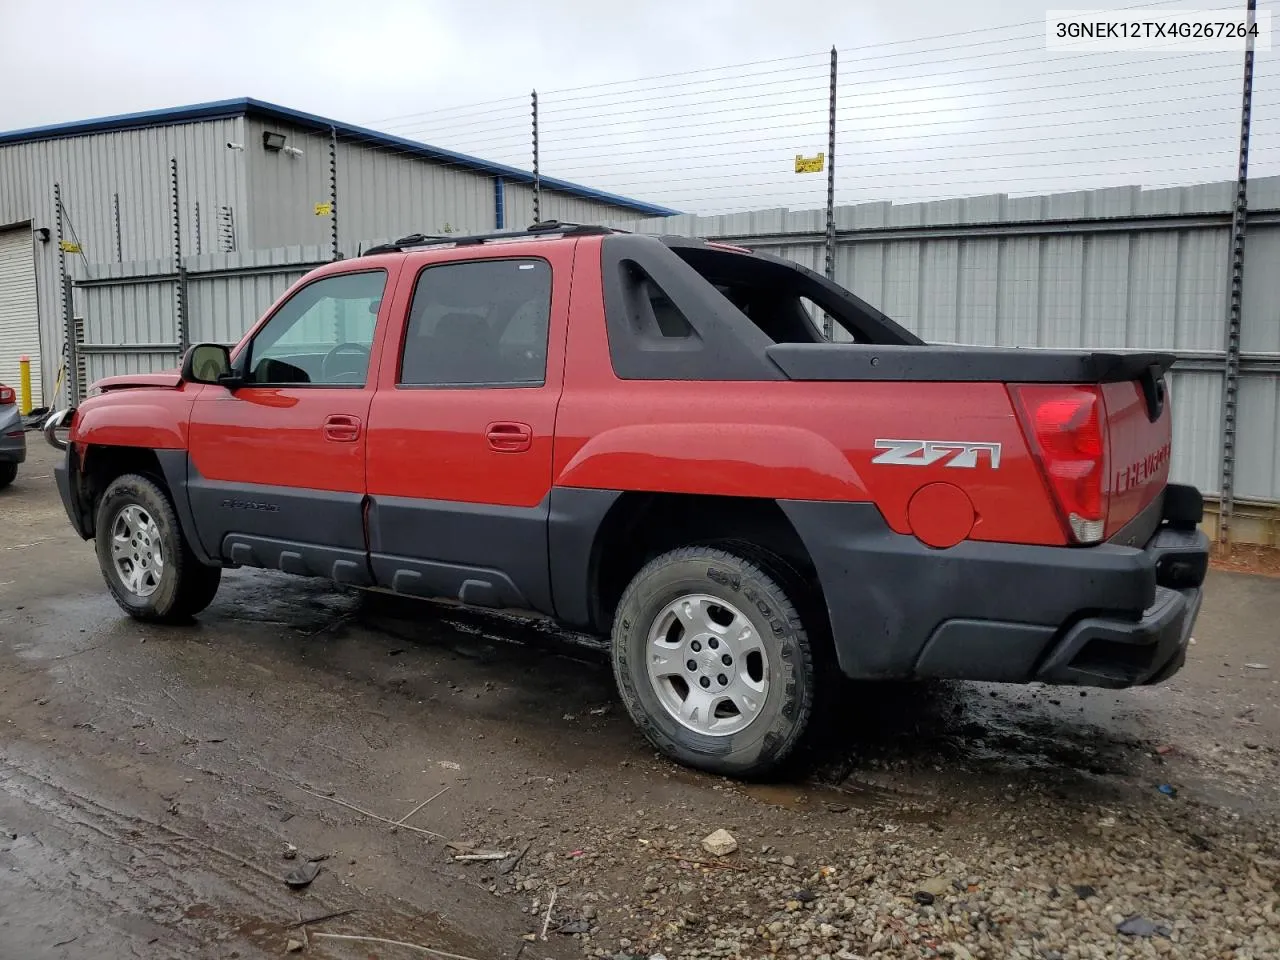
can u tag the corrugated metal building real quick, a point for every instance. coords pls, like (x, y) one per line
(250, 176)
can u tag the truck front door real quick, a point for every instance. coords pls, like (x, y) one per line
(277, 465)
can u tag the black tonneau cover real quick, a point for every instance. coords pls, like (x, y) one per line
(956, 364)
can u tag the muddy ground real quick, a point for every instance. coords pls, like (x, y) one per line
(155, 783)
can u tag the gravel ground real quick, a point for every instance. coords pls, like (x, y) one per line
(156, 783)
(1022, 871)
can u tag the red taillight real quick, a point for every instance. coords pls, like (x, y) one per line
(7, 396)
(1066, 428)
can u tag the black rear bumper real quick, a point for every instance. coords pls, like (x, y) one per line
(1110, 615)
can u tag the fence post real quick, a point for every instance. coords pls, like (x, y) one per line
(827, 323)
(1231, 368)
(68, 323)
(333, 193)
(537, 178)
(115, 210)
(178, 264)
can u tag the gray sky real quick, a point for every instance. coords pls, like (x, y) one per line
(936, 98)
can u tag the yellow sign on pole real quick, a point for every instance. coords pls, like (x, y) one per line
(810, 164)
(69, 247)
(324, 209)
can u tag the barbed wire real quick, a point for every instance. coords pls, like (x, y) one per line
(849, 51)
(983, 107)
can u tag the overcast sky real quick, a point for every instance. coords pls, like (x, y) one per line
(936, 98)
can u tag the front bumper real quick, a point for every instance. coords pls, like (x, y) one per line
(1108, 615)
(66, 473)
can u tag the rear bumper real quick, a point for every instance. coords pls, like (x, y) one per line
(13, 438)
(1109, 652)
(1110, 615)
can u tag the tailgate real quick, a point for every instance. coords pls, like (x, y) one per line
(1139, 434)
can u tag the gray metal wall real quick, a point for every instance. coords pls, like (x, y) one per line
(553, 206)
(1124, 268)
(129, 310)
(381, 193)
(134, 164)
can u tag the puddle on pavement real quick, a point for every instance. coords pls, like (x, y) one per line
(850, 797)
(272, 936)
(814, 797)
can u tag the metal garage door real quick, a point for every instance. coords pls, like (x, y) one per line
(19, 321)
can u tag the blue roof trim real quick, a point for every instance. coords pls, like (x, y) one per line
(247, 106)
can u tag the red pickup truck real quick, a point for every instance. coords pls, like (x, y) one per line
(651, 439)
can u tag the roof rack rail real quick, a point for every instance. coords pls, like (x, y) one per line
(413, 239)
(535, 230)
(552, 226)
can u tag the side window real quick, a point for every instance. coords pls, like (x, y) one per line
(484, 322)
(322, 335)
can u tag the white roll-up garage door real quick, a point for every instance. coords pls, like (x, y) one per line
(19, 320)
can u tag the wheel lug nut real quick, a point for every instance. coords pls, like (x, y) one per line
(713, 643)
(722, 680)
(727, 660)
(692, 665)
(705, 681)
(695, 646)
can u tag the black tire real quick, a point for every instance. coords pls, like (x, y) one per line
(8, 473)
(185, 585)
(766, 742)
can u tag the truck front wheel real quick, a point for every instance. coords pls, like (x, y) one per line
(148, 566)
(713, 662)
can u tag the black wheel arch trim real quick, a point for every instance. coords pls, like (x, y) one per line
(176, 466)
(574, 521)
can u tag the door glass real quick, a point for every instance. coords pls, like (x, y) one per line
(322, 335)
(482, 323)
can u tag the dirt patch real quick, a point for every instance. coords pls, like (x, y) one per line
(1248, 558)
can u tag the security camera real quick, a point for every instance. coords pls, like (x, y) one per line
(291, 151)
(234, 146)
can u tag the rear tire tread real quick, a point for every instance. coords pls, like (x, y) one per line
(779, 744)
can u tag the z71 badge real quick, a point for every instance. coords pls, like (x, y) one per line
(923, 453)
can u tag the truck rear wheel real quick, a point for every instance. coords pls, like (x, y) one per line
(8, 473)
(145, 559)
(713, 662)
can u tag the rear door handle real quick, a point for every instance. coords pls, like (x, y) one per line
(341, 428)
(509, 437)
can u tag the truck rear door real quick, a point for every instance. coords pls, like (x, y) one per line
(461, 426)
